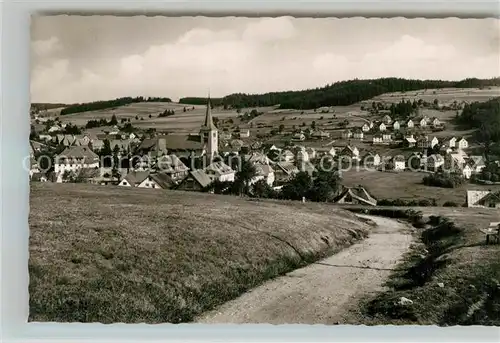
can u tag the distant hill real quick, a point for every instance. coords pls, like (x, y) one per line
(101, 105)
(341, 93)
(40, 106)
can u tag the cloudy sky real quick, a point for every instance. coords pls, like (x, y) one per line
(79, 59)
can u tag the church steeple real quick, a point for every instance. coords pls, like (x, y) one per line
(209, 123)
(209, 132)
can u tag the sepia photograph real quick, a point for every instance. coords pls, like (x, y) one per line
(272, 170)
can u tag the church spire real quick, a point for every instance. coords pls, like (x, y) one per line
(209, 123)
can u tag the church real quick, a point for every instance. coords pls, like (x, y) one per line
(186, 147)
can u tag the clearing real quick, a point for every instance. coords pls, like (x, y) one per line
(325, 292)
(117, 254)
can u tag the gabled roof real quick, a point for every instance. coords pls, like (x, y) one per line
(171, 164)
(288, 167)
(136, 177)
(163, 180)
(79, 152)
(263, 169)
(200, 177)
(359, 193)
(220, 168)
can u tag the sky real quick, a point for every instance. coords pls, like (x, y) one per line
(90, 58)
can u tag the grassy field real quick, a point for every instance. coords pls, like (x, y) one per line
(407, 185)
(111, 254)
(451, 275)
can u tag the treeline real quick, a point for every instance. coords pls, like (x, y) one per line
(443, 180)
(101, 105)
(201, 101)
(45, 106)
(341, 93)
(485, 118)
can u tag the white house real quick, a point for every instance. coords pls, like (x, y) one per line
(358, 134)
(463, 144)
(264, 172)
(75, 158)
(386, 137)
(387, 119)
(299, 137)
(382, 127)
(410, 141)
(311, 152)
(244, 133)
(425, 142)
(365, 127)
(346, 134)
(410, 124)
(302, 155)
(434, 162)
(467, 171)
(371, 159)
(377, 139)
(423, 122)
(396, 126)
(436, 122)
(54, 128)
(398, 163)
(220, 171)
(351, 152)
(451, 142)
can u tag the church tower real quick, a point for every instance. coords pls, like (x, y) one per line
(209, 133)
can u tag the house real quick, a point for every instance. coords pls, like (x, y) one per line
(244, 133)
(54, 128)
(462, 143)
(320, 134)
(415, 161)
(96, 144)
(284, 171)
(351, 152)
(346, 134)
(68, 140)
(365, 127)
(220, 171)
(74, 158)
(371, 159)
(424, 142)
(307, 167)
(134, 178)
(410, 141)
(378, 139)
(397, 163)
(226, 135)
(286, 156)
(467, 171)
(396, 125)
(450, 142)
(264, 172)
(423, 122)
(311, 152)
(483, 199)
(355, 196)
(298, 137)
(436, 122)
(196, 180)
(382, 127)
(456, 161)
(434, 162)
(256, 157)
(386, 137)
(476, 162)
(326, 150)
(38, 177)
(387, 119)
(172, 166)
(302, 155)
(358, 134)
(410, 124)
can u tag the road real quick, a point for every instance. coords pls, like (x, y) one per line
(326, 291)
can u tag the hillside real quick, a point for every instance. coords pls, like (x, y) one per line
(110, 254)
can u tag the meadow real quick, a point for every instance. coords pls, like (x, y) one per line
(112, 254)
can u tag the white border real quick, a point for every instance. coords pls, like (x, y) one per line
(14, 126)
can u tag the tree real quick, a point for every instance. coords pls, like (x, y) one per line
(136, 117)
(281, 128)
(313, 125)
(297, 187)
(113, 120)
(261, 189)
(150, 116)
(325, 186)
(114, 171)
(184, 109)
(244, 175)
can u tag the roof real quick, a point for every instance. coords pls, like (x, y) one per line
(79, 152)
(136, 177)
(171, 164)
(220, 168)
(173, 143)
(359, 193)
(411, 140)
(201, 177)
(398, 158)
(163, 180)
(287, 167)
(263, 169)
(473, 196)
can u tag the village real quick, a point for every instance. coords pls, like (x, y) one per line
(381, 142)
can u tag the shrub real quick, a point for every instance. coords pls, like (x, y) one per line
(450, 204)
(443, 180)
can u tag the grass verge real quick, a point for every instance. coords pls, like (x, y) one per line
(451, 277)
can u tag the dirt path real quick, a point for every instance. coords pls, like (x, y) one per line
(324, 292)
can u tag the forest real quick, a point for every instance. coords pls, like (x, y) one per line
(101, 105)
(341, 93)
